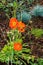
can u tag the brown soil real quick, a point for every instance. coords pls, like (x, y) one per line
(37, 46)
(3, 29)
(37, 22)
(38, 2)
(2, 63)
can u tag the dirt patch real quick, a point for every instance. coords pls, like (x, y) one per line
(3, 29)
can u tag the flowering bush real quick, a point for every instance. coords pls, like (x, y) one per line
(15, 49)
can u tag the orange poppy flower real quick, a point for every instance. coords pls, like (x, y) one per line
(17, 46)
(13, 23)
(21, 27)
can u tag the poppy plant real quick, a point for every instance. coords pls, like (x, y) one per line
(21, 26)
(17, 46)
(13, 23)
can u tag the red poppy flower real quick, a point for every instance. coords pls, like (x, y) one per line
(13, 23)
(17, 46)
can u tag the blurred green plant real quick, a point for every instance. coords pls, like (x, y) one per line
(11, 7)
(37, 32)
(38, 61)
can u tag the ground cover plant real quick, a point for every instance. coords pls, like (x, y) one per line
(21, 32)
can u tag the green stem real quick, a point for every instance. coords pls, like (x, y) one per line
(14, 13)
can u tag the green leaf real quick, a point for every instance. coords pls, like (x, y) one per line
(37, 32)
(15, 4)
(1, 5)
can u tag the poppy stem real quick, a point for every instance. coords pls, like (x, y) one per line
(14, 15)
